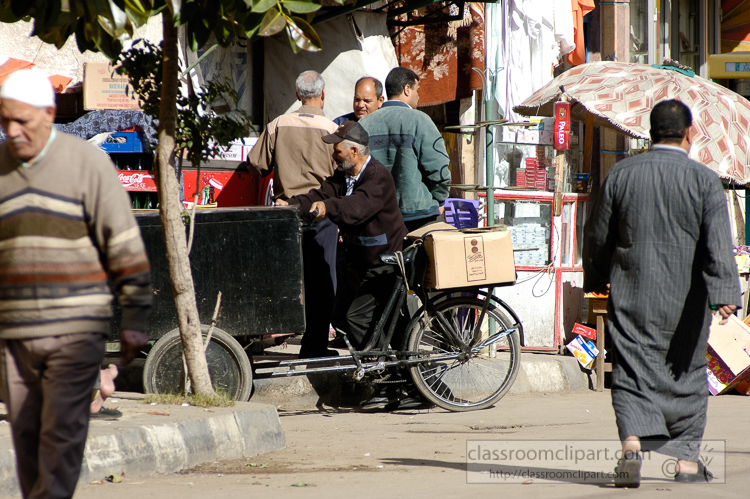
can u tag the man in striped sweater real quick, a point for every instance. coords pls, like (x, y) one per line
(67, 238)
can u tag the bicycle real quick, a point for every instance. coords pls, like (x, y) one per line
(461, 348)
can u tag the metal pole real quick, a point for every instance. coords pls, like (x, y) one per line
(489, 153)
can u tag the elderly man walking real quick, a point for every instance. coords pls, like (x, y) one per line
(291, 148)
(659, 234)
(66, 236)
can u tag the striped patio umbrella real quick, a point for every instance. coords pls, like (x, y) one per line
(621, 95)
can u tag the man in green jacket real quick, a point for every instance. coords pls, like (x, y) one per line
(410, 146)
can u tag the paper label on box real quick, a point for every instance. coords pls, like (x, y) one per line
(476, 267)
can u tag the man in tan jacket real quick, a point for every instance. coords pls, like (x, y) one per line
(291, 148)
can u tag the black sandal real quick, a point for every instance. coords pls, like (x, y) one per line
(105, 413)
(628, 471)
(703, 475)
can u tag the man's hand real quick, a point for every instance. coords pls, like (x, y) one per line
(280, 202)
(130, 342)
(725, 311)
(442, 209)
(320, 206)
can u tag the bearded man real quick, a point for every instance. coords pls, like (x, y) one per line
(360, 198)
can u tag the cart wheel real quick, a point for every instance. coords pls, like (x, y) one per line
(228, 365)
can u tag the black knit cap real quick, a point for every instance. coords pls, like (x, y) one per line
(348, 130)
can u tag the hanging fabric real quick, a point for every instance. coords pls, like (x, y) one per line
(442, 54)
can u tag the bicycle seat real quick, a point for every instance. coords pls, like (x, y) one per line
(392, 258)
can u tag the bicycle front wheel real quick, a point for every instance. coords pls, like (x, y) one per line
(469, 378)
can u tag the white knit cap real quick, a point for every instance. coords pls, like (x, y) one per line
(30, 87)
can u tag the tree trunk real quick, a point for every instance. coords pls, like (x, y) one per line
(170, 212)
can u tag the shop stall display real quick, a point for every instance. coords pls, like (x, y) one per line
(544, 211)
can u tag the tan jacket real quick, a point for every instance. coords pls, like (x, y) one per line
(292, 148)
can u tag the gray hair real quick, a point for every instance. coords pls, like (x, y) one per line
(310, 84)
(363, 150)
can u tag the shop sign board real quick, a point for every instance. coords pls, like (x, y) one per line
(562, 126)
(104, 88)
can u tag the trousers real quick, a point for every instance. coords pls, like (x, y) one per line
(319, 262)
(46, 387)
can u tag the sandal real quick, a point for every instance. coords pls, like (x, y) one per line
(703, 475)
(628, 471)
(105, 413)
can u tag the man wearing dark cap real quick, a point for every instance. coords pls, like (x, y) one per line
(360, 198)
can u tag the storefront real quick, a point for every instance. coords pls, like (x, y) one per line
(687, 31)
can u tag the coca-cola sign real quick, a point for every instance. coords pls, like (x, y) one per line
(137, 181)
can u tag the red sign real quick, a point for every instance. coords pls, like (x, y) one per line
(588, 332)
(140, 181)
(562, 125)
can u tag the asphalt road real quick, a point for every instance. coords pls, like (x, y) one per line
(416, 454)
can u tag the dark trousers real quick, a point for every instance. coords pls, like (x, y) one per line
(319, 262)
(46, 387)
(361, 306)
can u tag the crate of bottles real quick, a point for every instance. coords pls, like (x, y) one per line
(136, 173)
(144, 200)
(123, 142)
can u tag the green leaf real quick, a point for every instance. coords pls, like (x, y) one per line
(304, 35)
(295, 48)
(7, 16)
(224, 32)
(21, 7)
(198, 33)
(263, 5)
(189, 10)
(300, 7)
(175, 6)
(137, 13)
(82, 39)
(272, 23)
(116, 23)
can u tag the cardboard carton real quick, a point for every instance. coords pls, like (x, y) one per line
(588, 332)
(584, 351)
(728, 356)
(470, 258)
(104, 88)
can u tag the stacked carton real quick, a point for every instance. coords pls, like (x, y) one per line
(728, 356)
(582, 347)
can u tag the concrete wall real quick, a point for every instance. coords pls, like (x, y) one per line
(16, 41)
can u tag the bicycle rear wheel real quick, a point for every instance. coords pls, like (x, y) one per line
(476, 377)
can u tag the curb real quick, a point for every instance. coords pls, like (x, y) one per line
(539, 373)
(133, 448)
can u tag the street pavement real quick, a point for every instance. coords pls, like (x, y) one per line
(403, 454)
(424, 453)
(150, 439)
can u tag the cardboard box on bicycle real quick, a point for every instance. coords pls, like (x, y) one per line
(473, 257)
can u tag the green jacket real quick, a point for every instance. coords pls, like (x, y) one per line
(409, 144)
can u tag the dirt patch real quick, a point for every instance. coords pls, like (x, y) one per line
(255, 466)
